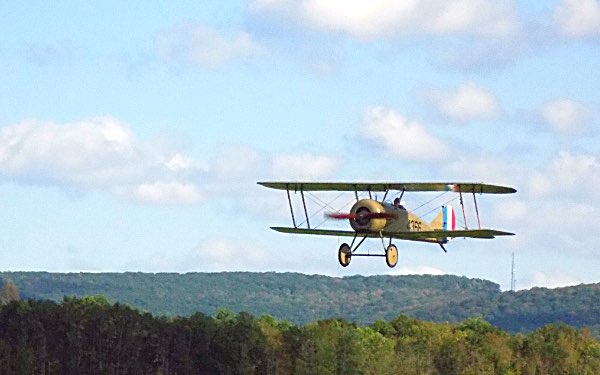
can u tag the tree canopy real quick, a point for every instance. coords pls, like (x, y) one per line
(302, 298)
(91, 335)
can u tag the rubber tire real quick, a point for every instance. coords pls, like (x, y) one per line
(391, 256)
(344, 255)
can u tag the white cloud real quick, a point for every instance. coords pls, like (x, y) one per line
(391, 19)
(90, 152)
(568, 175)
(565, 115)
(419, 270)
(235, 162)
(511, 211)
(304, 166)
(575, 173)
(578, 18)
(180, 162)
(228, 254)
(479, 55)
(400, 137)
(467, 102)
(485, 168)
(197, 44)
(555, 205)
(173, 192)
(555, 280)
(223, 254)
(98, 153)
(539, 184)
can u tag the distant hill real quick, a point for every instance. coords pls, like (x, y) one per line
(303, 298)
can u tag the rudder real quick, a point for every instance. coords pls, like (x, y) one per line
(445, 220)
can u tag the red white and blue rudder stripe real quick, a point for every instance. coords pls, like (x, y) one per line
(449, 219)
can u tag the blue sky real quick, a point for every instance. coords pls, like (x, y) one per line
(132, 136)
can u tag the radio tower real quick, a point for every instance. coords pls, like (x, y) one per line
(512, 274)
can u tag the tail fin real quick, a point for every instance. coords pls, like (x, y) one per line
(445, 220)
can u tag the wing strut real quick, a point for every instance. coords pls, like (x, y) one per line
(462, 205)
(304, 204)
(402, 194)
(476, 209)
(291, 208)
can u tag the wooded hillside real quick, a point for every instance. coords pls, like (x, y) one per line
(302, 298)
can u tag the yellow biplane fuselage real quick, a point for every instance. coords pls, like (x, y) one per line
(399, 219)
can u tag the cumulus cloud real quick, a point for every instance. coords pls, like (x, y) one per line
(198, 44)
(565, 116)
(419, 270)
(237, 162)
(578, 18)
(467, 102)
(98, 153)
(392, 19)
(485, 168)
(575, 173)
(174, 192)
(400, 137)
(555, 205)
(222, 254)
(218, 254)
(554, 280)
(304, 166)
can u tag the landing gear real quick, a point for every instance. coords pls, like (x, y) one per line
(344, 255)
(346, 252)
(391, 256)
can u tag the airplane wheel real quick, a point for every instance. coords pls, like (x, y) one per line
(391, 256)
(344, 255)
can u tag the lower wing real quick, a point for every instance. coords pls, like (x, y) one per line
(427, 236)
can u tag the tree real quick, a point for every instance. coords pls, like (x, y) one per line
(9, 293)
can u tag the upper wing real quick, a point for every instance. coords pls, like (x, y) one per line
(384, 186)
(429, 236)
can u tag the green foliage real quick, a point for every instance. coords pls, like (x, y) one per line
(89, 335)
(301, 299)
(9, 293)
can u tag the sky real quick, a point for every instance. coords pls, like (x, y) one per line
(132, 135)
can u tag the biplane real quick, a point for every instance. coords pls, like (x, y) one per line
(382, 219)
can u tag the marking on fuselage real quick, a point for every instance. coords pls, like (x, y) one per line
(414, 225)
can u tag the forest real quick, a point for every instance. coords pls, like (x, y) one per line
(302, 299)
(90, 335)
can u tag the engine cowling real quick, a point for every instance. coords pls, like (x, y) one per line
(363, 209)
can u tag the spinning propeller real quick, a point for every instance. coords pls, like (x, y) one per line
(360, 215)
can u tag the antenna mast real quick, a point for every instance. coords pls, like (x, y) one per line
(512, 274)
